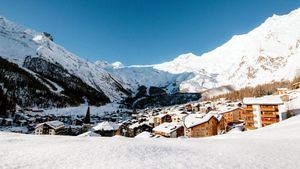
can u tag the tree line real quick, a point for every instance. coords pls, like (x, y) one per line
(257, 91)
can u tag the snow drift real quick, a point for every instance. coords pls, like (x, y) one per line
(275, 146)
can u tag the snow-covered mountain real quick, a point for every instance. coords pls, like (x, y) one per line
(270, 52)
(37, 54)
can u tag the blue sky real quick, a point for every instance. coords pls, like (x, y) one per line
(142, 31)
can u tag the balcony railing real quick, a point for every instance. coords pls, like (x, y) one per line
(269, 120)
(263, 108)
(268, 115)
(248, 114)
(248, 108)
(249, 121)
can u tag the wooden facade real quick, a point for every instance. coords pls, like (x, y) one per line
(189, 107)
(296, 85)
(45, 129)
(162, 118)
(132, 132)
(233, 116)
(108, 133)
(209, 128)
(248, 117)
(268, 114)
(222, 125)
(176, 133)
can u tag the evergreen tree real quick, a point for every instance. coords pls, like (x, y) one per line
(87, 118)
(3, 103)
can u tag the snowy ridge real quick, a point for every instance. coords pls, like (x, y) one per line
(34, 44)
(133, 77)
(270, 52)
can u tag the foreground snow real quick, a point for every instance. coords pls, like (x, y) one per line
(275, 146)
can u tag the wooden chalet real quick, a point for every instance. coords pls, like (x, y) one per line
(171, 130)
(138, 128)
(232, 114)
(162, 118)
(107, 129)
(50, 128)
(200, 125)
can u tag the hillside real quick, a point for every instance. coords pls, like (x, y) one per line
(275, 146)
(53, 68)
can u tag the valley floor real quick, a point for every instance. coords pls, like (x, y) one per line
(276, 146)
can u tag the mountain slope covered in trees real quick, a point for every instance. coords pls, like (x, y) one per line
(37, 72)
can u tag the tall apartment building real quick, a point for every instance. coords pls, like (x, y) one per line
(263, 111)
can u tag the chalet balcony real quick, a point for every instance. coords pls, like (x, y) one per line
(269, 120)
(248, 121)
(272, 115)
(248, 108)
(248, 114)
(268, 108)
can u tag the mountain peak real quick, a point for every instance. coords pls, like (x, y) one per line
(117, 65)
(267, 53)
(17, 42)
(186, 56)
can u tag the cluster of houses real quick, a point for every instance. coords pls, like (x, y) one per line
(35, 121)
(203, 119)
(199, 119)
(193, 120)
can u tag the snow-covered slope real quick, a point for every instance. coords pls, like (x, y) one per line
(17, 42)
(269, 52)
(151, 75)
(276, 146)
(133, 77)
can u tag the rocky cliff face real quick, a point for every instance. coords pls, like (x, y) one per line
(51, 70)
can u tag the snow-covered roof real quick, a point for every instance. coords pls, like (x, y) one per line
(174, 112)
(161, 115)
(217, 115)
(144, 134)
(22, 121)
(167, 127)
(225, 109)
(53, 124)
(282, 88)
(267, 100)
(137, 124)
(180, 115)
(151, 119)
(196, 119)
(106, 126)
(89, 134)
